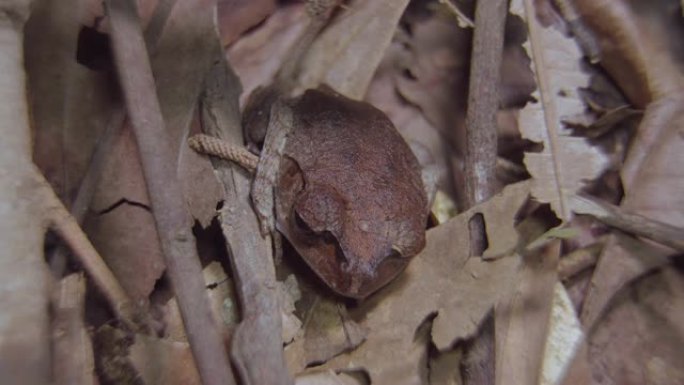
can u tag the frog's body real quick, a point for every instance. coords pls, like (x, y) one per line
(348, 190)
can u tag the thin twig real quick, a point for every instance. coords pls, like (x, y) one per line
(663, 233)
(463, 19)
(66, 226)
(168, 205)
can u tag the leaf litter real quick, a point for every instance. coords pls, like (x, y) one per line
(413, 63)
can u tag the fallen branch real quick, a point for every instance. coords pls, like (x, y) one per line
(66, 226)
(168, 205)
(614, 216)
(481, 156)
(257, 348)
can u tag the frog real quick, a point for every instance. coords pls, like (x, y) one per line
(339, 182)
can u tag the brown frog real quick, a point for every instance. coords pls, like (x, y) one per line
(345, 187)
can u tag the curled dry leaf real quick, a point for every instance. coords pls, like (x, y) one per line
(566, 162)
(441, 280)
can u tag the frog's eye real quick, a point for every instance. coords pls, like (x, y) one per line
(301, 223)
(396, 252)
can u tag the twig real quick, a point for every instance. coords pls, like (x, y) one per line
(481, 154)
(463, 19)
(86, 190)
(257, 349)
(168, 205)
(66, 226)
(663, 233)
(483, 101)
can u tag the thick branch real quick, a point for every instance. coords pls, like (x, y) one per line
(481, 154)
(168, 205)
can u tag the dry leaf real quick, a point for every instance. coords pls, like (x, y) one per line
(180, 63)
(566, 162)
(522, 318)
(161, 361)
(125, 235)
(70, 104)
(445, 369)
(257, 56)
(328, 332)
(237, 16)
(650, 73)
(347, 53)
(441, 280)
(639, 45)
(640, 340)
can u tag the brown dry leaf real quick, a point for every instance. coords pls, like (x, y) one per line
(638, 51)
(237, 16)
(639, 341)
(70, 104)
(257, 56)
(639, 45)
(522, 318)
(425, 141)
(655, 192)
(180, 63)
(441, 280)
(328, 332)
(347, 53)
(436, 65)
(126, 235)
(566, 162)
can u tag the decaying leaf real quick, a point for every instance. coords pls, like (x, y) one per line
(443, 281)
(566, 162)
